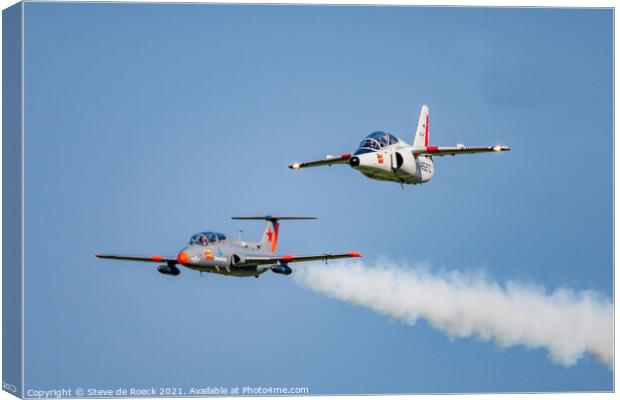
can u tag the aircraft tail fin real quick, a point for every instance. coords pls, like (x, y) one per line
(269, 240)
(421, 134)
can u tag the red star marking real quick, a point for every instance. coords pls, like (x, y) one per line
(269, 235)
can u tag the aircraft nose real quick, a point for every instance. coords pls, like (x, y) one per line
(354, 161)
(183, 258)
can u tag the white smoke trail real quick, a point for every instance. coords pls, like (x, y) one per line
(565, 322)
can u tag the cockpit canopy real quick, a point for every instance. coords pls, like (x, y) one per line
(376, 141)
(207, 238)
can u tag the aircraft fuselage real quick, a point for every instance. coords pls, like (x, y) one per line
(394, 163)
(223, 257)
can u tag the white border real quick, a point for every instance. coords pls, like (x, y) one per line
(23, 252)
(457, 3)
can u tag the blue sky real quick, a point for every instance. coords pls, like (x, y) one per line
(147, 123)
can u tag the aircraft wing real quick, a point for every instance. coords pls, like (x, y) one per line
(154, 258)
(329, 160)
(286, 259)
(459, 149)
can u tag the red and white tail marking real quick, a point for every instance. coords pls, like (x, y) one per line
(421, 134)
(274, 242)
(426, 134)
(270, 236)
(269, 240)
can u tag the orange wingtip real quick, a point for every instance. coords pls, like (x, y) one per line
(156, 258)
(97, 254)
(286, 258)
(355, 254)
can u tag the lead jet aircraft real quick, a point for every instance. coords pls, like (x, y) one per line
(385, 157)
(214, 252)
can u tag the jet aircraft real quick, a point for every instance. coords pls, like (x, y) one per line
(214, 252)
(385, 157)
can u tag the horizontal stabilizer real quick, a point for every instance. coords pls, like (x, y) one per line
(272, 218)
(269, 239)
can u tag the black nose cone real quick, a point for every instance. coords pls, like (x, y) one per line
(354, 161)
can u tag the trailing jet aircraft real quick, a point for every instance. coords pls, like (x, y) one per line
(385, 157)
(214, 252)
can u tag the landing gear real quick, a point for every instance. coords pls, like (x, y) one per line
(255, 276)
(402, 182)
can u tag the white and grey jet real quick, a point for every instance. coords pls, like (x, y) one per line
(216, 253)
(385, 157)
